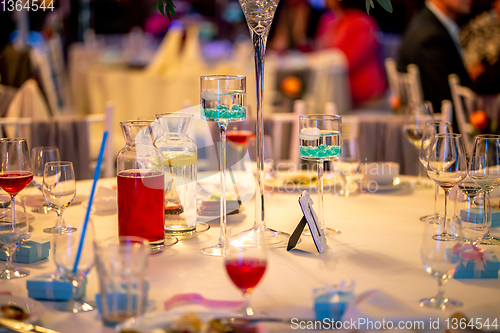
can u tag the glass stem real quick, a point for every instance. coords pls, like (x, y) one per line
(320, 194)
(486, 202)
(440, 293)
(222, 167)
(259, 44)
(436, 194)
(9, 252)
(76, 294)
(446, 195)
(419, 173)
(246, 309)
(60, 222)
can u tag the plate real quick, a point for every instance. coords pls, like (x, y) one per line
(200, 228)
(33, 308)
(7, 218)
(397, 184)
(287, 181)
(231, 218)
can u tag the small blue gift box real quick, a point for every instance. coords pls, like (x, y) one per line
(120, 298)
(471, 271)
(331, 303)
(48, 287)
(474, 214)
(30, 252)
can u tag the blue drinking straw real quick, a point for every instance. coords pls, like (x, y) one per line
(91, 200)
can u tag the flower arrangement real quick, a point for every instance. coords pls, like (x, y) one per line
(482, 123)
(167, 7)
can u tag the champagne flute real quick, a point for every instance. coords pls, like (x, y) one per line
(417, 115)
(430, 130)
(485, 170)
(320, 141)
(246, 266)
(59, 190)
(42, 155)
(259, 15)
(223, 100)
(65, 253)
(441, 259)
(348, 163)
(12, 232)
(447, 166)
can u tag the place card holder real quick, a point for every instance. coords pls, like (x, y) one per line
(311, 219)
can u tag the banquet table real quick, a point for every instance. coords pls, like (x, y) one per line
(379, 249)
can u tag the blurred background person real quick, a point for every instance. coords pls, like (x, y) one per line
(350, 29)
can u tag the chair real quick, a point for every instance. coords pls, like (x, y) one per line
(463, 100)
(406, 86)
(279, 120)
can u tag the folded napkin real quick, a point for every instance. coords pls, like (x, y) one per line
(105, 201)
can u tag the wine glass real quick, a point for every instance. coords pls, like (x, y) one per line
(417, 115)
(42, 155)
(65, 252)
(246, 265)
(320, 141)
(485, 170)
(473, 210)
(12, 232)
(447, 166)
(348, 163)
(223, 100)
(430, 130)
(15, 167)
(441, 259)
(59, 190)
(259, 15)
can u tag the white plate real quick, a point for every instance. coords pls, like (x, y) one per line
(397, 184)
(281, 181)
(33, 308)
(231, 218)
(153, 321)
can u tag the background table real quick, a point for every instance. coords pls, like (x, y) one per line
(379, 248)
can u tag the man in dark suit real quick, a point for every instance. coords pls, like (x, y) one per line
(431, 43)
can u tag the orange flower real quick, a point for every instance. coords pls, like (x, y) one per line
(292, 86)
(479, 120)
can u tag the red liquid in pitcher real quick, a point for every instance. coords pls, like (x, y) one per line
(245, 273)
(14, 182)
(141, 199)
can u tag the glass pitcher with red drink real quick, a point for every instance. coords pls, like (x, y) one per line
(141, 183)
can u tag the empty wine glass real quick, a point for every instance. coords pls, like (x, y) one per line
(473, 210)
(246, 265)
(348, 163)
(430, 130)
(441, 259)
(417, 115)
(59, 190)
(13, 231)
(65, 253)
(40, 156)
(485, 170)
(447, 166)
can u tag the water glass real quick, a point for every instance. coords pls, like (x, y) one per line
(473, 210)
(41, 156)
(121, 266)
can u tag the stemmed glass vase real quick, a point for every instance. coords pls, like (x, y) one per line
(246, 266)
(259, 15)
(223, 100)
(320, 141)
(13, 231)
(430, 130)
(440, 259)
(59, 190)
(447, 166)
(40, 156)
(417, 115)
(485, 170)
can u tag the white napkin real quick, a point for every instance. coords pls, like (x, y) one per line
(105, 201)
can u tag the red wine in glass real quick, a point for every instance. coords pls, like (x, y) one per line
(246, 273)
(15, 181)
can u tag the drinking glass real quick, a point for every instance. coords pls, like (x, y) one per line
(430, 130)
(42, 155)
(59, 190)
(348, 163)
(15, 167)
(223, 100)
(485, 170)
(246, 265)
(441, 259)
(447, 166)
(259, 15)
(320, 141)
(417, 115)
(65, 252)
(473, 210)
(12, 232)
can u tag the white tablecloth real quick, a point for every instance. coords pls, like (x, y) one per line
(379, 248)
